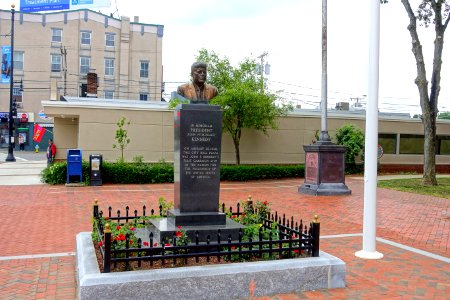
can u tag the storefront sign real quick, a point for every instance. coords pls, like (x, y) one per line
(43, 116)
(23, 117)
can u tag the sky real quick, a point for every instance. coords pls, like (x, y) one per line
(290, 32)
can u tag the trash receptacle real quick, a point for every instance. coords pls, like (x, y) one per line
(74, 166)
(95, 169)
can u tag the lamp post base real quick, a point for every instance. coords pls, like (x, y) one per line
(10, 156)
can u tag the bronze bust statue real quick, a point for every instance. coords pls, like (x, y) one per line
(198, 91)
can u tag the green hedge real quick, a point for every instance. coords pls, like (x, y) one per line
(163, 172)
(255, 172)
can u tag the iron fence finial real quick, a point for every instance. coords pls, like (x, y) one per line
(107, 228)
(316, 219)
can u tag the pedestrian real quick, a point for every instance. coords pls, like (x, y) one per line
(21, 142)
(51, 152)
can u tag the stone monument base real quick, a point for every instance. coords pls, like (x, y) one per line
(164, 228)
(324, 189)
(324, 170)
(177, 218)
(226, 281)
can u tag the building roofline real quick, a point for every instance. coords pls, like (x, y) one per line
(77, 10)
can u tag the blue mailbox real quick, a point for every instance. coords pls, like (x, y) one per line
(74, 165)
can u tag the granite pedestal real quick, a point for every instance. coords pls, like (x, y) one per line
(197, 150)
(324, 170)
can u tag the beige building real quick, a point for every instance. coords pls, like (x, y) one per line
(53, 52)
(90, 125)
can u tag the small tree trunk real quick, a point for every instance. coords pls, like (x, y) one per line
(236, 141)
(236, 150)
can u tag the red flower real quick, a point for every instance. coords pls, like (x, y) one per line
(155, 245)
(100, 243)
(106, 218)
(122, 237)
(265, 202)
(167, 245)
(234, 217)
(233, 248)
(178, 234)
(146, 244)
(118, 227)
(179, 227)
(132, 228)
(295, 251)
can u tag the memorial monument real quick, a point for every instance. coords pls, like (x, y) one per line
(197, 151)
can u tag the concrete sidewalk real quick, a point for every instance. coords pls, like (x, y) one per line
(37, 260)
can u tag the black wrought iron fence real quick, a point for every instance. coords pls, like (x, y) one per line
(278, 238)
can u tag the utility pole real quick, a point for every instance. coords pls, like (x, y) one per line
(64, 55)
(261, 69)
(10, 156)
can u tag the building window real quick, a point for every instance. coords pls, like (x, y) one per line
(411, 144)
(388, 142)
(56, 62)
(109, 94)
(56, 35)
(18, 60)
(110, 39)
(143, 97)
(109, 67)
(17, 91)
(85, 38)
(144, 69)
(443, 147)
(85, 64)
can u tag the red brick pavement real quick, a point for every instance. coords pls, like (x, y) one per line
(45, 219)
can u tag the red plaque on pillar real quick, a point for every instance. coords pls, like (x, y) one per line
(312, 167)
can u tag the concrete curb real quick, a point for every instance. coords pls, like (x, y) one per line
(228, 281)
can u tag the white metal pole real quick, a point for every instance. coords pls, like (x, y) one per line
(371, 143)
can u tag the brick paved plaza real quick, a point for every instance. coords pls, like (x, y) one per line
(39, 224)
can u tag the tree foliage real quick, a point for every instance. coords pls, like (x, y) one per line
(243, 97)
(436, 14)
(122, 136)
(352, 138)
(444, 115)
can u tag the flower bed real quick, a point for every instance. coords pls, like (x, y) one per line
(267, 236)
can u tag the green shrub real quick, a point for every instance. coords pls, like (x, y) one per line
(352, 138)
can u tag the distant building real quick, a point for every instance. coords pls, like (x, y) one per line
(54, 52)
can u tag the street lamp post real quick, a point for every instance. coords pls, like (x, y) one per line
(10, 156)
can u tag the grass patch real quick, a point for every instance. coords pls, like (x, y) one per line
(414, 185)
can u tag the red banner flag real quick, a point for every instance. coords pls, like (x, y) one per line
(38, 133)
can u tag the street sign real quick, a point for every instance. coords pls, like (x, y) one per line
(380, 152)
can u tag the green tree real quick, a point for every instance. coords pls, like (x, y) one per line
(122, 136)
(243, 97)
(352, 138)
(437, 14)
(444, 115)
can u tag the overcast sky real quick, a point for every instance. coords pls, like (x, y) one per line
(290, 31)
